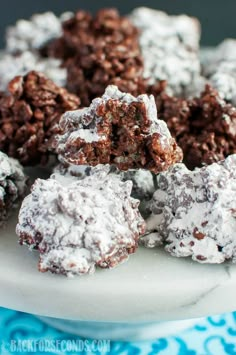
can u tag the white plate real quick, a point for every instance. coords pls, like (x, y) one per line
(151, 286)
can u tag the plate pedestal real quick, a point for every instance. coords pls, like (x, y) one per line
(146, 297)
(120, 331)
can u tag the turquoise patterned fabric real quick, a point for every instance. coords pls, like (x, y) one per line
(211, 336)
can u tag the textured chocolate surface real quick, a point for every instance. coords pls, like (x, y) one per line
(204, 127)
(194, 212)
(117, 129)
(29, 113)
(79, 224)
(98, 51)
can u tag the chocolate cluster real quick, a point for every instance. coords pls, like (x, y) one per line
(98, 51)
(117, 129)
(193, 213)
(126, 103)
(169, 47)
(29, 113)
(77, 225)
(204, 127)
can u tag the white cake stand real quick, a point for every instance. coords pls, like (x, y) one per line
(128, 302)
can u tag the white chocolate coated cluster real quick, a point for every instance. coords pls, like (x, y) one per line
(194, 212)
(11, 66)
(169, 45)
(79, 224)
(34, 33)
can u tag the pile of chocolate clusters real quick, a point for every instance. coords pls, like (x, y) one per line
(141, 129)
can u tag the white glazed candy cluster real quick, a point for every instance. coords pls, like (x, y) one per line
(83, 129)
(194, 212)
(34, 33)
(169, 45)
(79, 224)
(82, 124)
(142, 180)
(220, 69)
(11, 66)
(23, 42)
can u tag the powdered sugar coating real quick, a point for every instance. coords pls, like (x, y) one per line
(224, 81)
(79, 224)
(77, 171)
(206, 54)
(89, 135)
(194, 212)
(143, 181)
(12, 185)
(220, 69)
(11, 66)
(224, 52)
(34, 33)
(169, 46)
(143, 187)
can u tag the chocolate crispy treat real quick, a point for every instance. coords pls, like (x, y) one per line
(204, 127)
(12, 185)
(34, 33)
(212, 130)
(79, 224)
(169, 46)
(194, 212)
(11, 66)
(98, 51)
(29, 113)
(117, 129)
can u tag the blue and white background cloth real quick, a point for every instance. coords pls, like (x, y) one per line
(214, 335)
